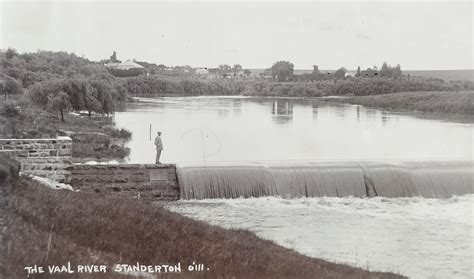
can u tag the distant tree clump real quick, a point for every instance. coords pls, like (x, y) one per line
(316, 70)
(340, 73)
(113, 58)
(224, 70)
(236, 69)
(10, 53)
(388, 71)
(282, 70)
(247, 72)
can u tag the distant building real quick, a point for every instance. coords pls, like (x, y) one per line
(126, 69)
(350, 73)
(214, 73)
(201, 71)
(127, 65)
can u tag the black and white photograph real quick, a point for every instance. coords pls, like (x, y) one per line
(236, 139)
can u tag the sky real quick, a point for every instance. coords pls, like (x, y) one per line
(416, 35)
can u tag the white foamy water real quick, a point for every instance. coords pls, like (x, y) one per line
(416, 237)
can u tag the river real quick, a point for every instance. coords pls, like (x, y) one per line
(218, 129)
(414, 236)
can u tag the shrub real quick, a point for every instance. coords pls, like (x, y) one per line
(120, 133)
(8, 167)
(10, 109)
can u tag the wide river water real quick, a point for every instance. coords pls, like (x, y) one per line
(206, 129)
(417, 237)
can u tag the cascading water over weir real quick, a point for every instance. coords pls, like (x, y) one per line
(331, 179)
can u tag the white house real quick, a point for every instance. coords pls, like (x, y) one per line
(201, 71)
(127, 65)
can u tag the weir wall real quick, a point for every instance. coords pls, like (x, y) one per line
(157, 182)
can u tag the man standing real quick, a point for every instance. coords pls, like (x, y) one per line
(159, 147)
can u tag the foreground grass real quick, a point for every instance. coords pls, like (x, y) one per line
(48, 226)
(439, 102)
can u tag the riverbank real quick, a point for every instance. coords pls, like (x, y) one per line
(436, 102)
(93, 137)
(46, 226)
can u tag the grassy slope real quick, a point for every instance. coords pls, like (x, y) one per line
(442, 102)
(90, 139)
(54, 226)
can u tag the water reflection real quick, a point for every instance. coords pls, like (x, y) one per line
(340, 111)
(240, 129)
(315, 111)
(384, 118)
(282, 111)
(358, 113)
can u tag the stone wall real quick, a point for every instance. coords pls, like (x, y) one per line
(149, 181)
(41, 157)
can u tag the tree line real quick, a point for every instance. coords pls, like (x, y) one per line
(61, 82)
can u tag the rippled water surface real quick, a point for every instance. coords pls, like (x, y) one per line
(417, 237)
(217, 129)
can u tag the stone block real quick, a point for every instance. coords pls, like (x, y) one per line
(72, 168)
(160, 186)
(25, 167)
(129, 167)
(64, 152)
(120, 180)
(116, 189)
(158, 174)
(89, 180)
(22, 154)
(137, 178)
(43, 154)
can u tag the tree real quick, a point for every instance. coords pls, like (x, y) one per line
(60, 101)
(358, 72)
(340, 73)
(282, 70)
(9, 86)
(10, 53)
(385, 71)
(50, 95)
(397, 73)
(102, 92)
(77, 89)
(236, 69)
(224, 69)
(316, 70)
(113, 58)
(247, 72)
(92, 104)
